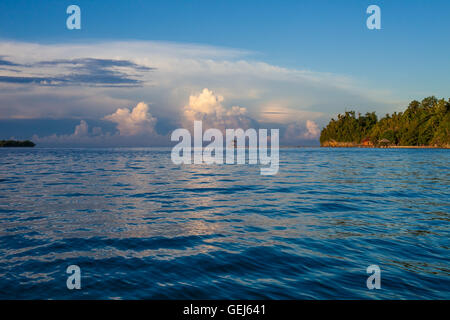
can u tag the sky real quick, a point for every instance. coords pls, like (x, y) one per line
(137, 70)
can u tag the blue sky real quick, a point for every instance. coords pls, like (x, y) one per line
(407, 59)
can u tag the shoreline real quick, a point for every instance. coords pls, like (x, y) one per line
(388, 147)
(343, 144)
(417, 147)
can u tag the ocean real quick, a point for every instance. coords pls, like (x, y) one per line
(140, 227)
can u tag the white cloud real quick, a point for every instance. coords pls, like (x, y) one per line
(84, 137)
(181, 69)
(313, 131)
(81, 129)
(207, 107)
(300, 132)
(79, 136)
(138, 121)
(205, 102)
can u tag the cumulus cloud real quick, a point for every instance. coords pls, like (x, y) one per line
(298, 133)
(84, 136)
(135, 122)
(135, 127)
(313, 130)
(80, 136)
(81, 129)
(207, 107)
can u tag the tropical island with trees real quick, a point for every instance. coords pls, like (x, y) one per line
(16, 143)
(424, 124)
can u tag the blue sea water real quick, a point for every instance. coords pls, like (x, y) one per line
(140, 227)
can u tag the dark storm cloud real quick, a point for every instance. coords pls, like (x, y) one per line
(96, 64)
(7, 63)
(83, 72)
(25, 80)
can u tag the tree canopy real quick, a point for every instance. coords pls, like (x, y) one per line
(15, 143)
(425, 123)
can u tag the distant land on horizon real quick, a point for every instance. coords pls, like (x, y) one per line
(16, 143)
(424, 124)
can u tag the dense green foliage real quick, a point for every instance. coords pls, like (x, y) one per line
(15, 143)
(425, 123)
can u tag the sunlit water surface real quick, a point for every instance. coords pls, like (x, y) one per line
(141, 227)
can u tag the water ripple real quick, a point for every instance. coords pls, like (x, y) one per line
(142, 228)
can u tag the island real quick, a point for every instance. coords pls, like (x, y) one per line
(16, 143)
(424, 124)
